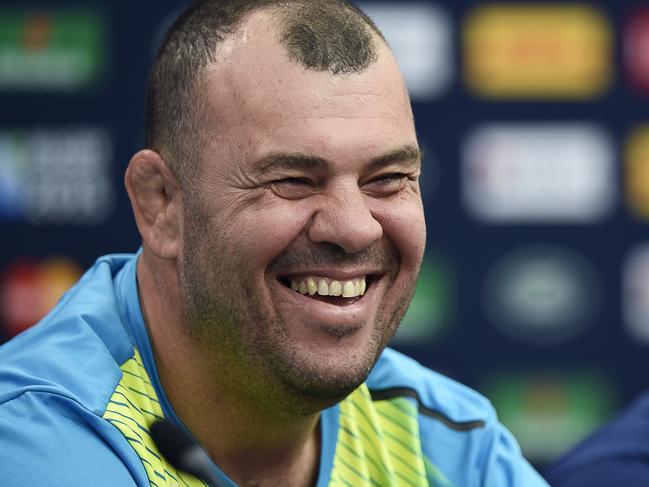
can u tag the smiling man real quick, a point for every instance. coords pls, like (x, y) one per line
(283, 231)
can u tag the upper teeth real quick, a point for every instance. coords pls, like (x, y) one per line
(329, 287)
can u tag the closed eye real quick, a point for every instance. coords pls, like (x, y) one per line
(388, 184)
(292, 188)
(292, 181)
(390, 178)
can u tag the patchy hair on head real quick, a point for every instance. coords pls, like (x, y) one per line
(324, 39)
(322, 35)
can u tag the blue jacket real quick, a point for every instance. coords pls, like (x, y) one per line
(618, 454)
(79, 391)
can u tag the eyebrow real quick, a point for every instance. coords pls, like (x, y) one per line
(408, 153)
(287, 161)
(298, 161)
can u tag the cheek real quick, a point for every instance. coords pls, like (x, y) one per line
(404, 225)
(262, 233)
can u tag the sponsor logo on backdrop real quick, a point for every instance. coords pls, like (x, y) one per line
(551, 173)
(550, 412)
(421, 37)
(542, 295)
(432, 310)
(56, 176)
(51, 49)
(636, 49)
(637, 172)
(30, 289)
(538, 51)
(636, 293)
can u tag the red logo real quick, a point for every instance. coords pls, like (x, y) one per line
(636, 49)
(29, 290)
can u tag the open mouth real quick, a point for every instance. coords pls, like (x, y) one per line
(344, 292)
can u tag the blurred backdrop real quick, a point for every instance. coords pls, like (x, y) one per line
(534, 118)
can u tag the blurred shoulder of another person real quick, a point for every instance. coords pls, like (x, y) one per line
(618, 454)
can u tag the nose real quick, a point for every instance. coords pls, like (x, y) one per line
(344, 219)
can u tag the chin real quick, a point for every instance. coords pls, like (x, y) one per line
(318, 383)
(312, 398)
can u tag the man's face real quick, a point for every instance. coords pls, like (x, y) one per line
(308, 186)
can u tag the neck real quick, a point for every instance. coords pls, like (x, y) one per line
(254, 439)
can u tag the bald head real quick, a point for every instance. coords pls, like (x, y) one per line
(320, 35)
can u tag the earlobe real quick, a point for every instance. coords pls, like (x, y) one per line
(156, 201)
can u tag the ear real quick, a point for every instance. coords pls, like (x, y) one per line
(157, 203)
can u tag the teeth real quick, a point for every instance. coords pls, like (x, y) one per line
(311, 286)
(325, 287)
(349, 290)
(335, 288)
(302, 287)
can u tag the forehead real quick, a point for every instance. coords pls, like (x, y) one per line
(254, 93)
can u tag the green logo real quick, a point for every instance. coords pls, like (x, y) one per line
(46, 50)
(550, 412)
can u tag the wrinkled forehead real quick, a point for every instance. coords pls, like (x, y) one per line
(254, 81)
